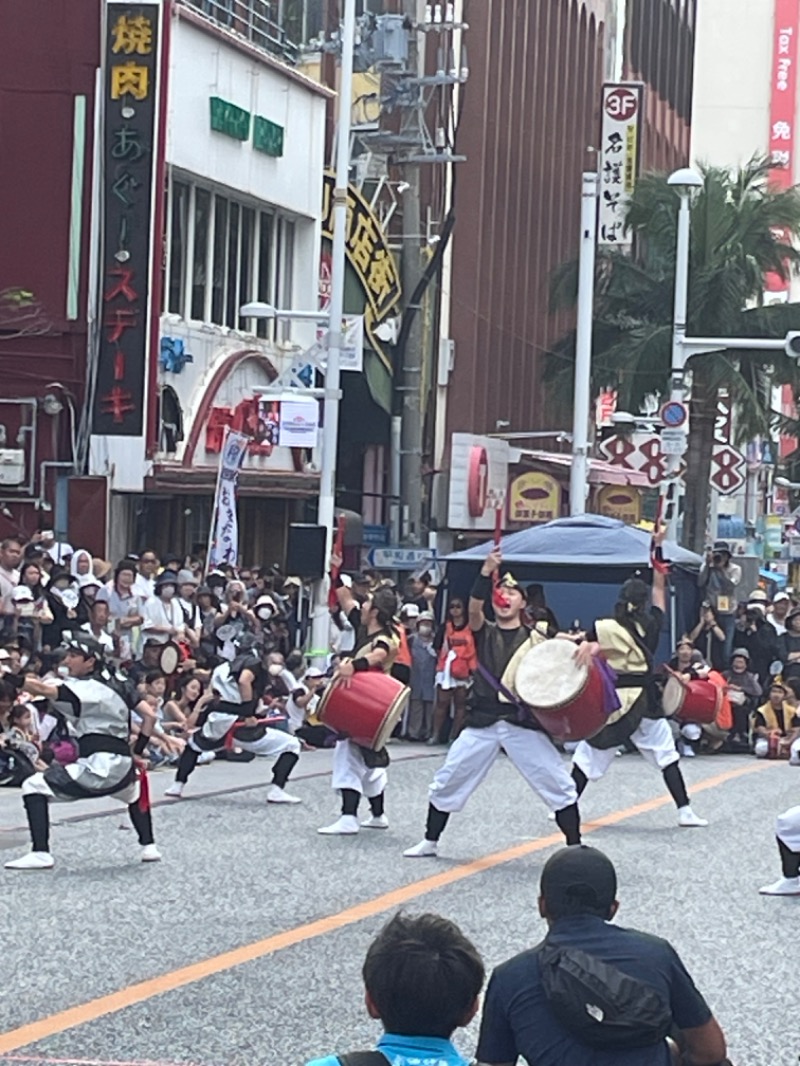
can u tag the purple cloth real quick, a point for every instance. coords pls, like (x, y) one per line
(608, 675)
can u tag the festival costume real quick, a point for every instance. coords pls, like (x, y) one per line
(495, 724)
(787, 832)
(97, 709)
(359, 771)
(218, 728)
(629, 649)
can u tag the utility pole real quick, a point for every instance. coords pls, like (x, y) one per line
(411, 370)
(579, 472)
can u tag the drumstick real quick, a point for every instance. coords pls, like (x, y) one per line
(338, 548)
(657, 561)
(498, 598)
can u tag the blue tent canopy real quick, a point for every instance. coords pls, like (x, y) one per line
(581, 563)
(585, 540)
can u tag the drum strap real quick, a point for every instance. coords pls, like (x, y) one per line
(523, 711)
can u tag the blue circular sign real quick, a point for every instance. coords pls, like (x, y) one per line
(674, 413)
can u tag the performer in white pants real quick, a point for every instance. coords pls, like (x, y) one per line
(494, 723)
(358, 771)
(237, 687)
(96, 703)
(787, 833)
(628, 641)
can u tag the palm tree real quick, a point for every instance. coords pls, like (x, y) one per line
(733, 246)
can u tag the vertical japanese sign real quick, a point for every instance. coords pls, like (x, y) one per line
(782, 110)
(620, 137)
(130, 107)
(224, 547)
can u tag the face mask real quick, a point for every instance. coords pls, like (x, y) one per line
(167, 592)
(24, 660)
(62, 670)
(425, 631)
(274, 669)
(264, 613)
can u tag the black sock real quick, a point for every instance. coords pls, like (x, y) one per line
(580, 779)
(790, 860)
(673, 779)
(437, 820)
(186, 764)
(142, 823)
(140, 744)
(38, 821)
(568, 820)
(350, 802)
(284, 765)
(376, 805)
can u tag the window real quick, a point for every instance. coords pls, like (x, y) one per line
(238, 253)
(179, 223)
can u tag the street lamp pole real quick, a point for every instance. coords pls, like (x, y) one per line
(579, 471)
(320, 626)
(684, 180)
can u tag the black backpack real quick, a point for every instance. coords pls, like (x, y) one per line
(600, 1005)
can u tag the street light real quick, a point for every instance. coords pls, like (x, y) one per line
(262, 311)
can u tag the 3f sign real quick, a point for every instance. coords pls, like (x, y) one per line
(621, 104)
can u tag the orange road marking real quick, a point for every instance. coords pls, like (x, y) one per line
(141, 991)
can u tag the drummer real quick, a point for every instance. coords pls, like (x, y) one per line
(629, 641)
(493, 723)
(361, 771)
(233, 713)
(690, 665)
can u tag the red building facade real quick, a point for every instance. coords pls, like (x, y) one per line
(47, 87)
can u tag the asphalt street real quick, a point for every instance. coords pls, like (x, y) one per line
(244, 945)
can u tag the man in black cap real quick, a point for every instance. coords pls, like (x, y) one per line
(719, 577)
(96, 702)
(494, 723)
(577, 899)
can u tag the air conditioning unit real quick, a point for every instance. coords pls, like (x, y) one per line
(12, 466)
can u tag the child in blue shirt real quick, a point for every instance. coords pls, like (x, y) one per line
(422, 978)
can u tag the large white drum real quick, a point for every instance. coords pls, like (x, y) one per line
(566, 699)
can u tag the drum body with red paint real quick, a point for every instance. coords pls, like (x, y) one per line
(365, 708)
(566, 699)
(691, 701)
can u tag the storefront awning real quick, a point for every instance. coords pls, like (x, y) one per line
(600, 471)
(173, 478)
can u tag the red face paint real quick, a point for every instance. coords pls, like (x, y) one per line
(499, 598)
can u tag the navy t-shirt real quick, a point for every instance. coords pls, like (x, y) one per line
(517, 1020)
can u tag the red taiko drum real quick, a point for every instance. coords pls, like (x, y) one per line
(566, 699)
(691, 701)
(364, 708)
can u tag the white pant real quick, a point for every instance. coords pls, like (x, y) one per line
(474, 751)
(788, 828)
(274, 742)
(350, 771)
(653, 737)
(36, 785)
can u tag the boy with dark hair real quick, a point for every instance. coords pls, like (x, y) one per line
(422, 978)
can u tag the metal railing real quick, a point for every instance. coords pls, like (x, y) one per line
(276, 26)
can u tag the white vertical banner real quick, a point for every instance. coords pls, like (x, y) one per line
(620, 138)
(224, 547)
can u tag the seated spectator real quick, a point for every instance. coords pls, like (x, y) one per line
(182, 710)
(775, 725)
(22, 737)
(578, 901)
(98, 624)
(422, 978)
(744, 692)
(688, 662)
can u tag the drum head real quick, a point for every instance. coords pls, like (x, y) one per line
(169, 658)
(674, 695)
(548, 676)
(392, 717)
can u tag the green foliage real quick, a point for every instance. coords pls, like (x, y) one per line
(733, 247)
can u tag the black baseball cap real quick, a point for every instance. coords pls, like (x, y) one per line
(582, 874)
